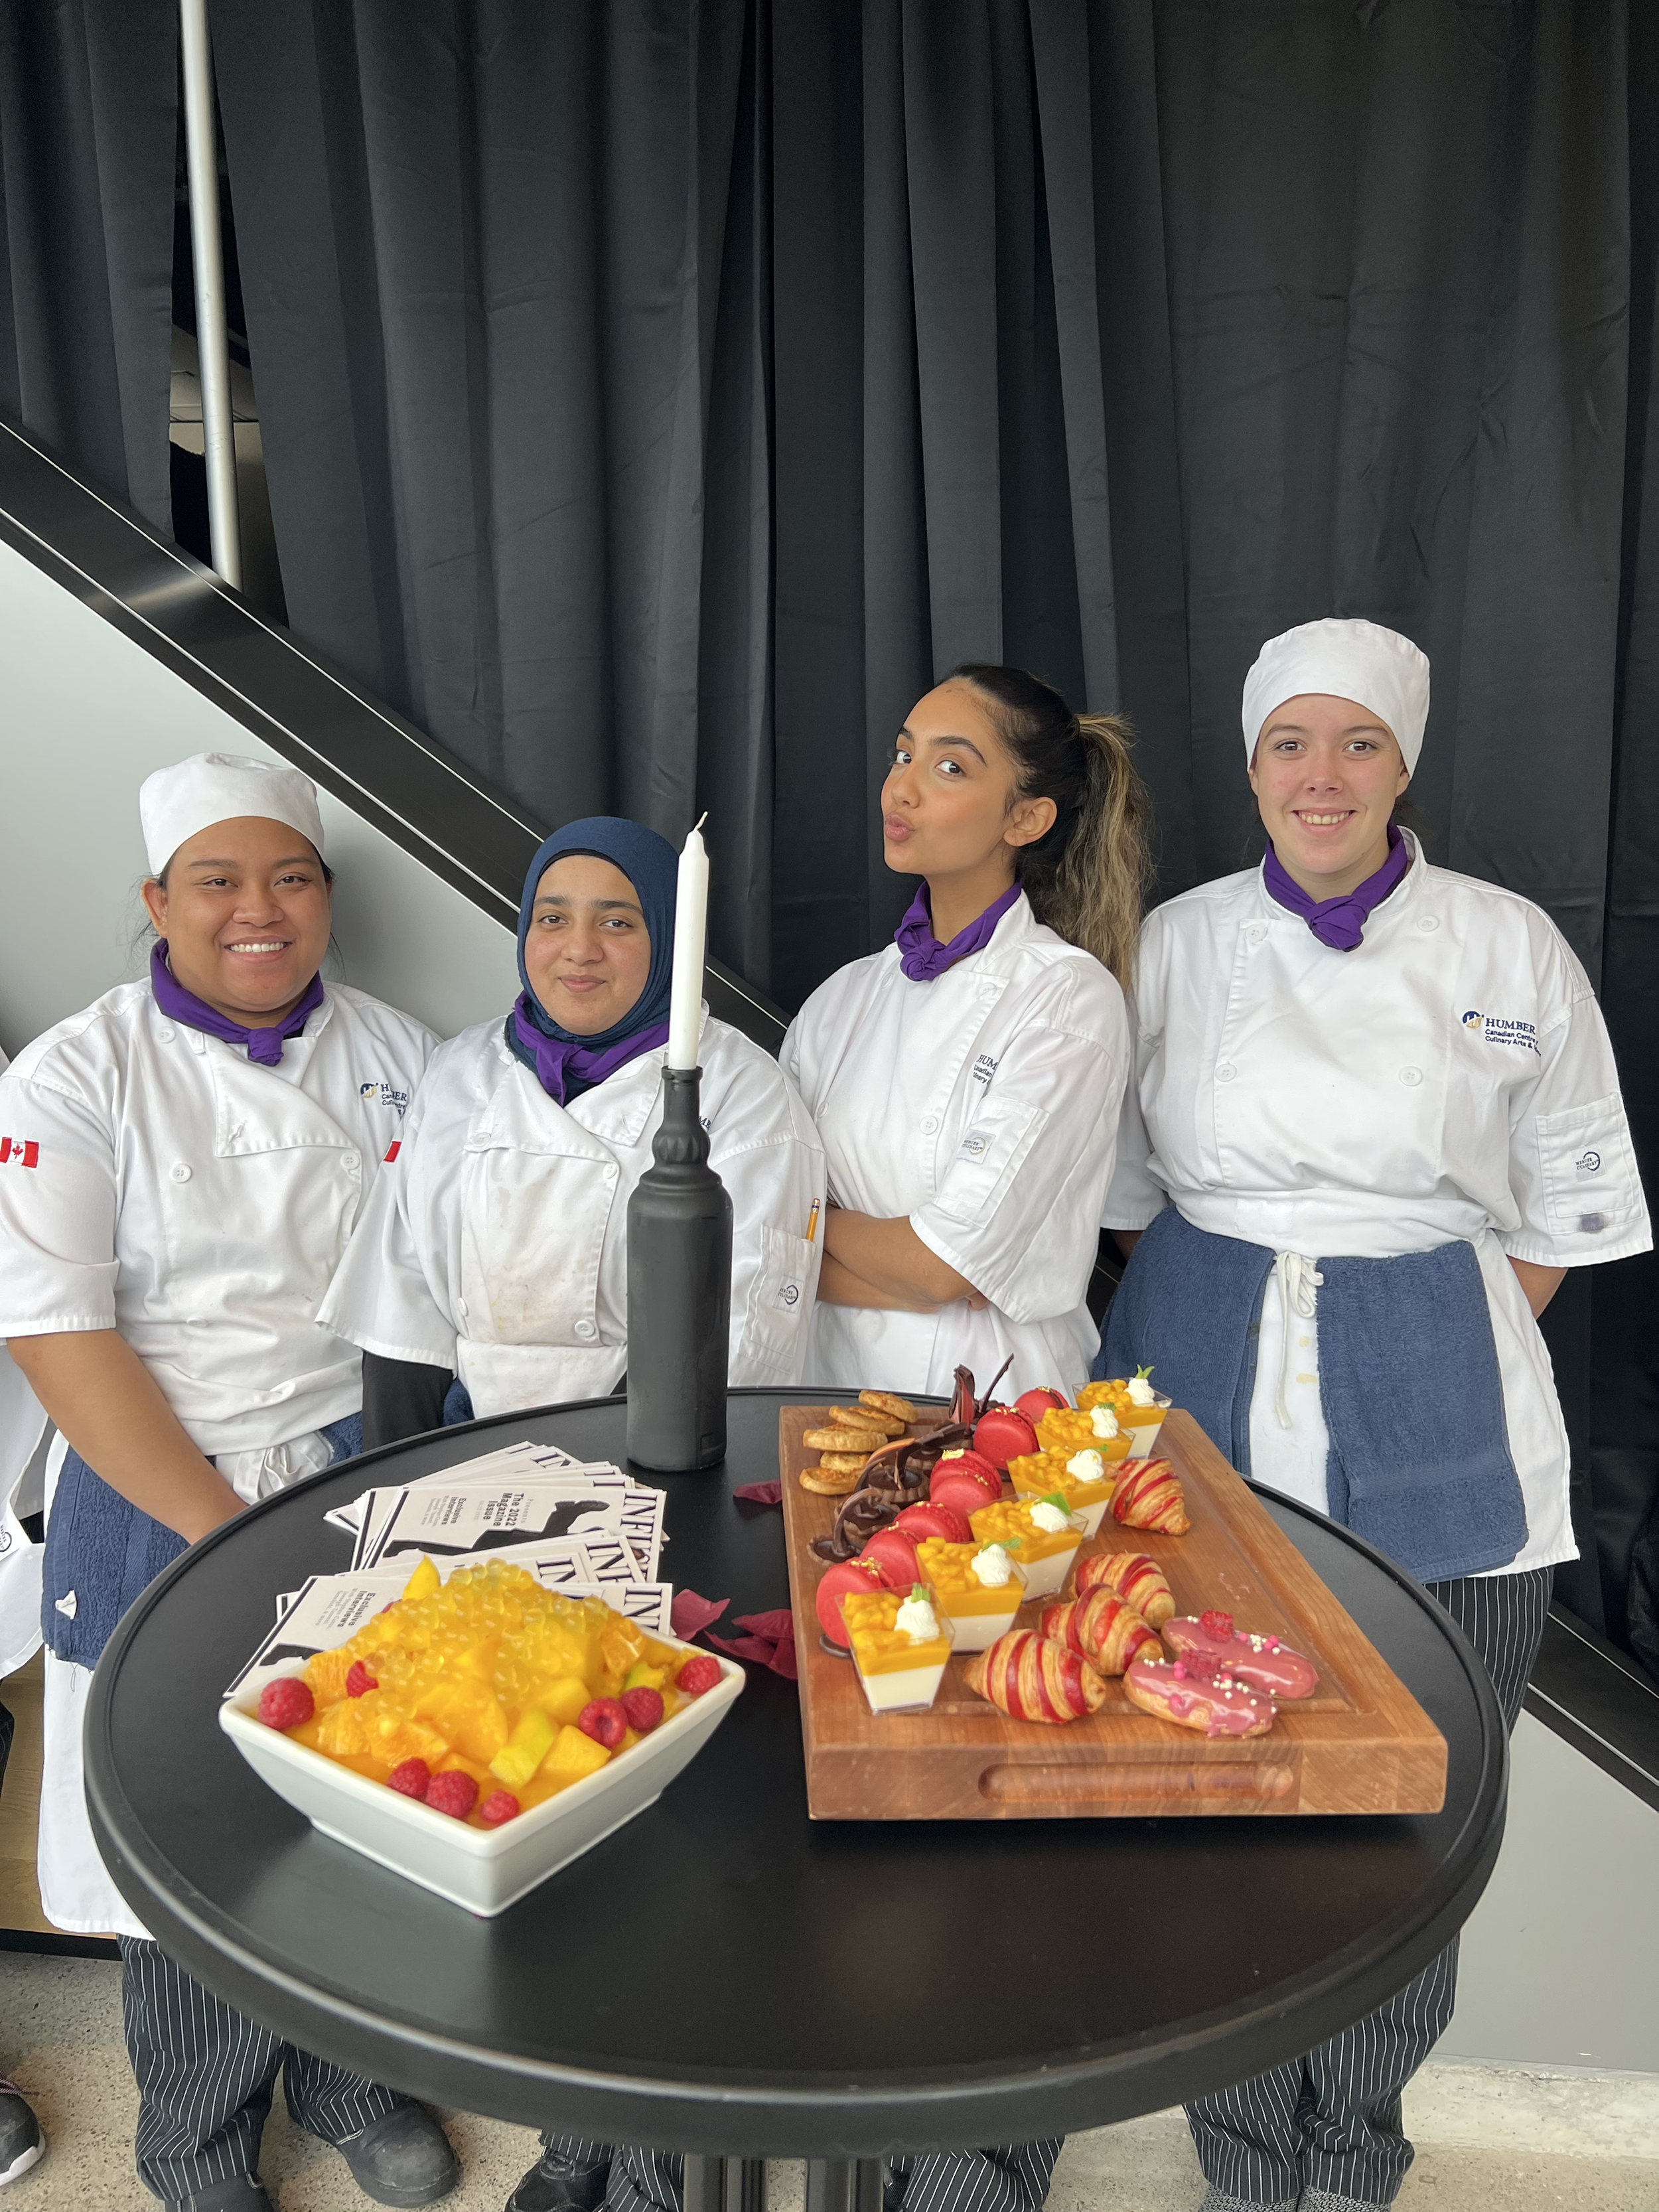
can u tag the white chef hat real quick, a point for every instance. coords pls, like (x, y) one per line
(1345, 659)
(176, 802)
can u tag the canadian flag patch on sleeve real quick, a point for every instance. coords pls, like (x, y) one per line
(397, 1146)
(19, 1152)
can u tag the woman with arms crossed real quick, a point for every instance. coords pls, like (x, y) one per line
(966, 1080)
(1375, 1117)
(186, 1160)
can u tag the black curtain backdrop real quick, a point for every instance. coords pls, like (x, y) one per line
(658, 394)
(89, 131)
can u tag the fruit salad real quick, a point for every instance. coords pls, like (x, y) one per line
(486, 1694)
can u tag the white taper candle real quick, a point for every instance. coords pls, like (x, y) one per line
(691, 930)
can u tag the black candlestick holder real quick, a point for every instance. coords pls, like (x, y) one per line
(679, 1292)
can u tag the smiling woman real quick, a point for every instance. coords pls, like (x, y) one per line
(199, 1146)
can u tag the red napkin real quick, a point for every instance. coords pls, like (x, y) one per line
(691, 1614)
(761, 1493)
(769, 1642)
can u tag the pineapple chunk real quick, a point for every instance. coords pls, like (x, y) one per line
(525, 1749)
(424, 1580)
(641, 1675)
(573, 1756)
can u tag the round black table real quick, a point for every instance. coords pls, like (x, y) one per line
(725, 1976)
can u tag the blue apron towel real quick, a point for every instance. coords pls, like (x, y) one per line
(102, 1552)
(1419, 1461)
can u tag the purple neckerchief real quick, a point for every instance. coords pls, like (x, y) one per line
(265, 1047)
(567, 1068)
(920, 954)
(1339, 922)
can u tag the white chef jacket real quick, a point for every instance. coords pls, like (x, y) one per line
(496, 1245)
(157, 1181)
(982, 1106)
(23, 1425)
(1451, 1078)
(160, 1183)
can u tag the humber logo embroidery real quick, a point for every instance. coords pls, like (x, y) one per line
(384, 1094)
(19, 1152)
(1502, 1028)
(984, 1068)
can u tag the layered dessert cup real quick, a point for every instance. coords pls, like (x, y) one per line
(979, 1587)
(1084, 1478)
(1047, 1534)
(1138, 1409)
(1065, 1430)
(901, 1646)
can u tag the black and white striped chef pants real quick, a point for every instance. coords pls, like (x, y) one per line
(206, 2076)
(1014, 2178)
(1324, 2131)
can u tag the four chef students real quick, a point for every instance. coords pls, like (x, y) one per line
(495, 1244)
(187, 1158)
(1374, 1118)
(1357, 1196)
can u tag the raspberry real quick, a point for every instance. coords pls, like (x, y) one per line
(286, 1702)
(1216, 1624)
(409, 1779)
(643, 1708)
(700, 1673)
(604, 1719)
(500, 1805)
(453, 1792)
(360, 1679)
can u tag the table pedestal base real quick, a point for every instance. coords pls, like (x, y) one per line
(739, 2184)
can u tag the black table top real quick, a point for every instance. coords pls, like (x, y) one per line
(725, 1975)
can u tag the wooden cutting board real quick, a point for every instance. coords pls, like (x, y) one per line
(1361, 1744)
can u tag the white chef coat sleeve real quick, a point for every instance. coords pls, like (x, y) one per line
(1018, 1210)
(775, 1178)
(383, 1298)
(58, 1200)
(1572, 1167)
(1135, 1197)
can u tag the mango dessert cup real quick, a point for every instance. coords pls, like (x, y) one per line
(1081, 1478)
(980, 1603)
(1138, 1408)
(900, 1645)
(1066, 1430)
(1046, 1532)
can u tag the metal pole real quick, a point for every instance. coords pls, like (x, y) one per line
(212, 343)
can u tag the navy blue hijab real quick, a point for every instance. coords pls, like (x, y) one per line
(566, 1065)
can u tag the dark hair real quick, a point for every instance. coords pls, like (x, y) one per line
(1087, 876)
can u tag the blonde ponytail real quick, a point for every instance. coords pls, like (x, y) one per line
(1087, 878)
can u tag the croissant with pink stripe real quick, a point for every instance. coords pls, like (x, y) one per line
(1030, 1679)
(1138, 1579)
(1102, 1629)
(1149, 1496)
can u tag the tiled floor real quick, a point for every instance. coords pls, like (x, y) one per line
(60, 2037)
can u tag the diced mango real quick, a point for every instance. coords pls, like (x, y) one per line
(525, 1749)
(424, 1580)
(326, 1675)
(574, 1756)
(564, 1698)
(467, 1713)
(642, 1676)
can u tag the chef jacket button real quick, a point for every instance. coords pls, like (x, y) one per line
(164, 1037)
(351, 1163)
(1428, 921)
(929, 1124)
(584, 1328)
(180, 1172)
(1411, 1076)
(1225, 1073)
(460, 1308)
(1256, 932)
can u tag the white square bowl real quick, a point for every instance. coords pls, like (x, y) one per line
(483, 1870)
